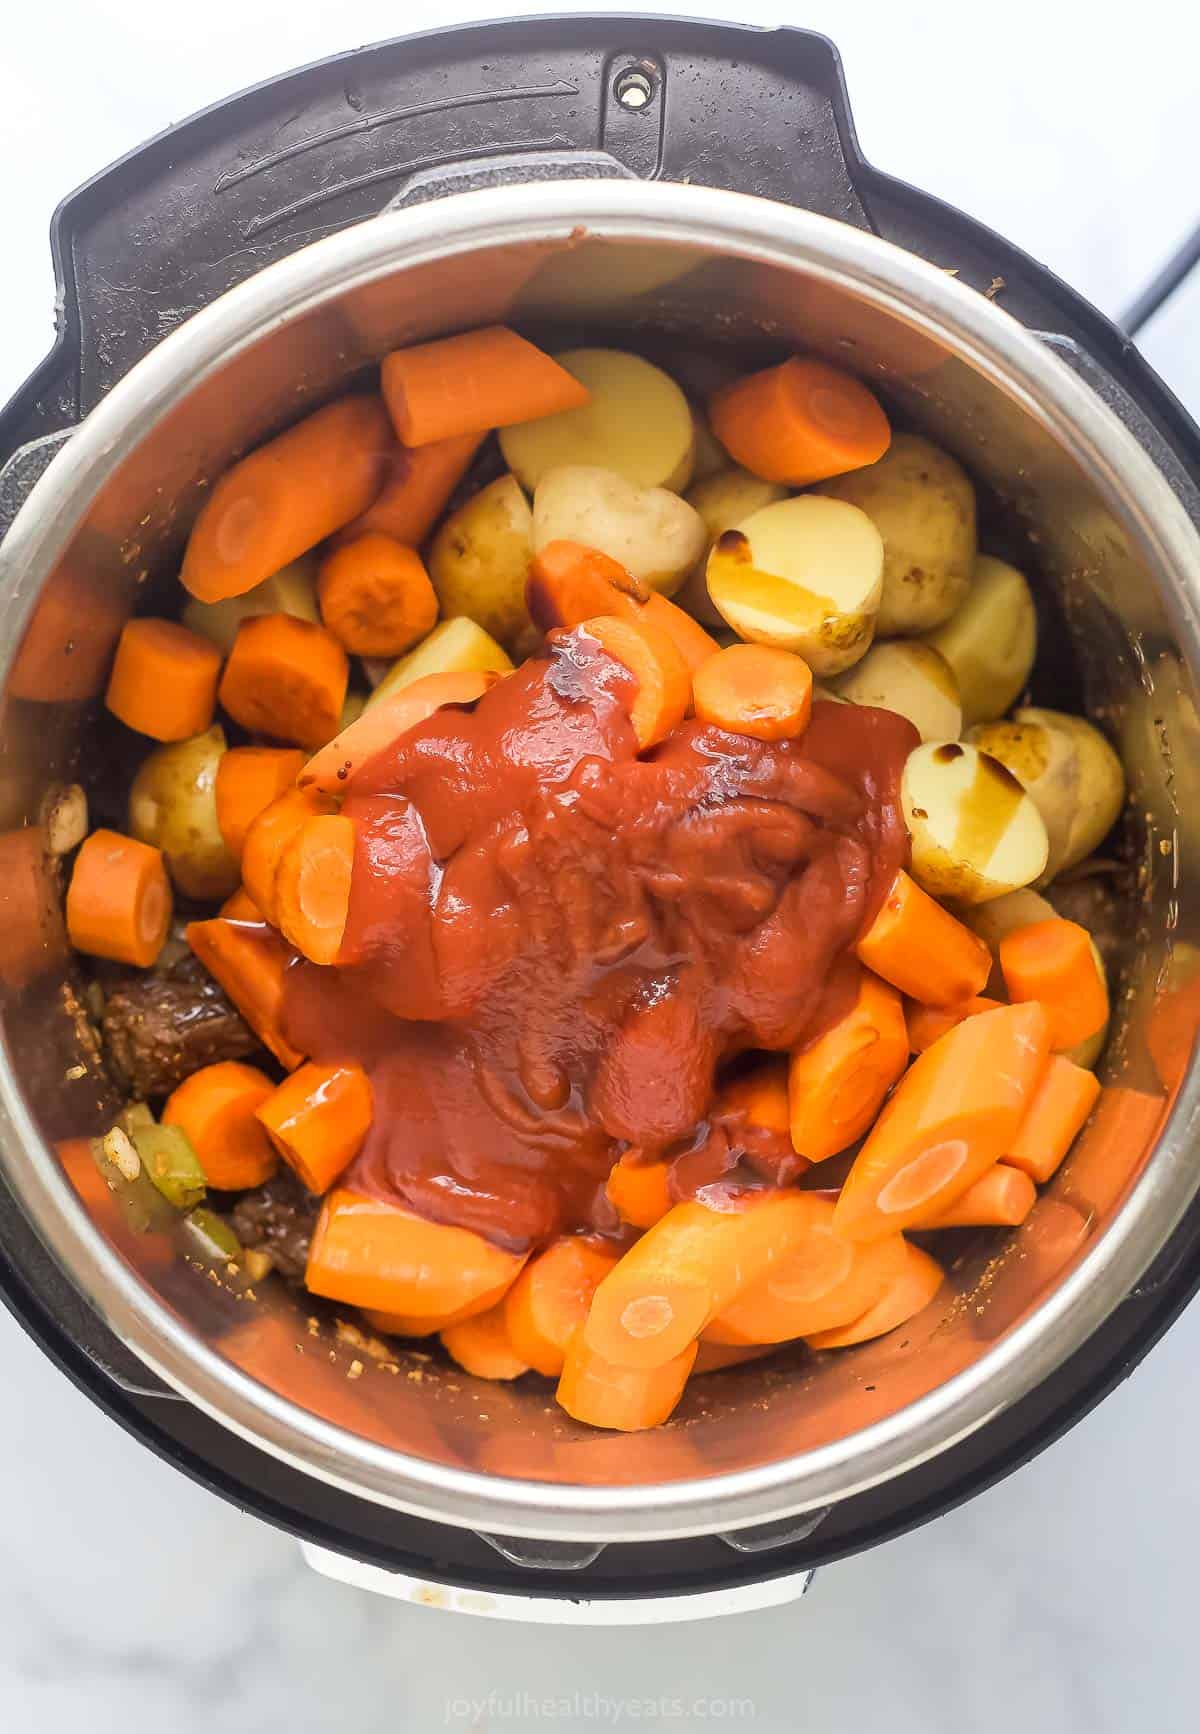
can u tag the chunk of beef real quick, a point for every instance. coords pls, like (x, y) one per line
(280, 1217)
(158, 1030)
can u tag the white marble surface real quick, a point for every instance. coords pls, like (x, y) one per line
(129, 1599)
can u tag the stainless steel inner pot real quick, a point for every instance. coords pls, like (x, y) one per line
(682, 269)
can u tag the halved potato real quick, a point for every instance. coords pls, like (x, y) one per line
(803, 574)
(975, 833)
(479, 559)
(637, 423)
(454, 646)
(1069, 769)
(722, 500)
(990, 640)
(923, 505)
(291, 590)
(911, 679)
(651, 531)
(173, 806)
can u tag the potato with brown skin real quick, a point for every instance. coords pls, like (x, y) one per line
(723, 499)
(975, 832)
(990, 640)
(650, 531)
(1070, 771)
(479, 560)
(173, 806)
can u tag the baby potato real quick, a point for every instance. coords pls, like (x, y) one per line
(722, 500)
(638, 423)
(652, 532)
(804, 575)
(479, 559)
(923, 505)
(173, 805)
(911, 679)
(975, 833)
(1070, 771)
(453, 647)
(291, 590)
(990, 640)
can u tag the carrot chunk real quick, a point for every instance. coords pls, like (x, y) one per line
(550, 1299)
(927, 1022)
(286, 678)
(570, 583)
(800, 422)
(267, 839)
(910, 1294)
(386, 720)
(249, 779)
(119, 900)
(922, 949)
(317, 1120)
(472, 383)
(662, 687)
(240, 906)
(216, 1108)
(312, 886)
(417, 486)
(376, 596)
(483, 1347)
(606, 1394)
(1001, 1198)
(639, 1191)
(1055, 962)
(755, 690)
(715, 1357)
(164, 680)
(250, 963)
(837, 1082)
(1060, 1106)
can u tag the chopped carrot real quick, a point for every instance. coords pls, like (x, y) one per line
(755, 690)
(1001, 1198)
(482, 1346)
(688, 1269)
(838, 1081)
(376, 596)
(922, 949)
(627, 1399)
(954, 1113)
(287, 496)
(715, 1357)
(240, 906)
(420, 1325)
(910, 1294)
(250, 963)
(639, 1191)
(1055, 962)
(472, 383)
(164, 680)
(370, 1254)
(119, 900)
(385, 721)
(570, 583)
(550, 1299)
(249, 779)
(1056, 1115)
(927, 1022)
(418, 485)
(267, 839)
(662, 686)
(286, 678)
(800, 422)
(312, 886)
(759, 1095)
(216, 1108)
(317, 1120)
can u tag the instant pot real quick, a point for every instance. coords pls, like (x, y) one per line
(697, 188)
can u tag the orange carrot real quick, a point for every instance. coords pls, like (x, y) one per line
(376, 596)
(927, 1022)
(370, 1254)
(240, 906)
(1001, 1198)
(421, 1325)
(317, 1119)
(688, 1269)
(570, 583)
(922, 949)
(800, 422)
(624, 1398)
(910, 1294)
(550, 1299)
(250, 963)
(287, 496)
(1060, 1106)
(755, 690)
(249, 779)
(759, 1095)
(715, 1357)
(216, 1108)
(417, 486)
(286, 678)
(639, 1191)
(385, 721)
(482, 1346)
(837, 1082)
(312, 886)
(662, 687)
(164, 680)
(472, 383)
(267, 839)
(119, 900)
(954, 1113)
(1054, 962)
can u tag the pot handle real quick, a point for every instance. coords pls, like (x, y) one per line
(508, 169)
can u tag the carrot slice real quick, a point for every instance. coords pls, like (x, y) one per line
(312, 886)
(370, 1254)
(119, 900)
(420, 1325)
(287, 496)
(954, 1113)
(550, 1299)
(376, 596)
(482, 1346)
(287, 678)
(755, 690)
(317, 1120)
(926, 1023)
(472, 383)
(216, 1108)
(386, 720)
(570, 583)
(922, 949)
(687, 1270)
(418, 485)
(837, 1082)
(249, 779)
(639, 1191)
(164, 680)
(1060, 1106)
(662, 686)
(1055, 962)
(800, 422)
(1001, 1198)
(910, 1294)
(715, 1357)
(267, 838)
(240, 906)
(250, 963)
(627, 1399)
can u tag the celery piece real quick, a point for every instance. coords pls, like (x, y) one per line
(133, 1116)
(170, 1161)
(211, 1237)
